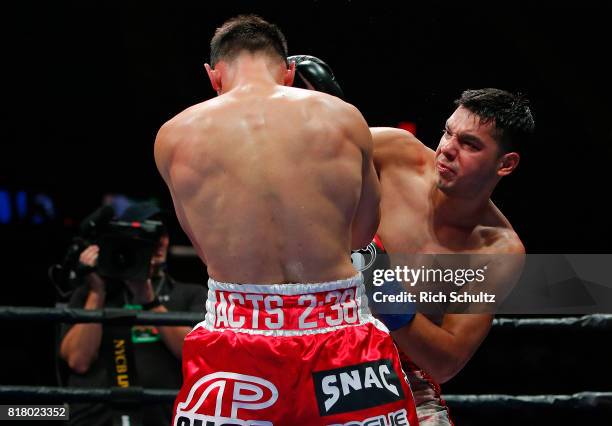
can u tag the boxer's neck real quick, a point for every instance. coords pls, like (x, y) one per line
(456, 211)
(250, 71)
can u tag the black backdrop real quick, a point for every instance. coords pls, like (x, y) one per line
(86, 88)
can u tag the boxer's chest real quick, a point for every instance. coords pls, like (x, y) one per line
(407, 218)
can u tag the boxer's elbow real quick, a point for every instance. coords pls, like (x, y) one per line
(444, 373)
(448, 367)
(360, 239)
(359, 243)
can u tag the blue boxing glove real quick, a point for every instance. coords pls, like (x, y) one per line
(394, 315)
(395, 321)
(314, 74)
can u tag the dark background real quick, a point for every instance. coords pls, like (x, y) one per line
(86, 88)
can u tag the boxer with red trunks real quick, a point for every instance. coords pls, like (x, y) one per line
(292, 354)
(275, 185)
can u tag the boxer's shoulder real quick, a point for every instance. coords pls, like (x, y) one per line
(392, 136)
(498, 234)
(500, 240)
(189, 117)
(330, 114)
(307, 97)
(398, 146)
(177, 131)
(323, 106)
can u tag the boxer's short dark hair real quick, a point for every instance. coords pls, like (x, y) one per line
(247, 33)
(509, 113)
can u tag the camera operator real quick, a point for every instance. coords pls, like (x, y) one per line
(156, 350)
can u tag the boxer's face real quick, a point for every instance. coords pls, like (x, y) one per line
(468, 159)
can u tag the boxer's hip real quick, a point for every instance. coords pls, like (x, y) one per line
(302, 353)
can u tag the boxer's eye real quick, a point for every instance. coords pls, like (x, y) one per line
(470, 146)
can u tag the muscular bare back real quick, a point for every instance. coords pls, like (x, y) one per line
(266, 181)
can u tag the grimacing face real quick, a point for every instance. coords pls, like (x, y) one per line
(467, 156)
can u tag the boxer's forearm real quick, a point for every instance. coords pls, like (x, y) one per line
(173, 337)
(81, 344)
(429, 346)
(442, 351)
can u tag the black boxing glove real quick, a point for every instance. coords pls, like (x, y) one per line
(314, 74)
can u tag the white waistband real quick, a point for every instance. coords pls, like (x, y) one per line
(356, 282)
(287, 289)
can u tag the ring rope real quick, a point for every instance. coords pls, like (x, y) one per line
(581, 400)
(120, 316)
(116, 316)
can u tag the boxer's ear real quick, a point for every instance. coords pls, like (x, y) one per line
(214, 77)
(507, 163)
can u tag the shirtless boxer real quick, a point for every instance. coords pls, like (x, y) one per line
(274, 185)
(439, 202)
(430, 208)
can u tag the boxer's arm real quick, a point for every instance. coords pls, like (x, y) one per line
(442, 351)
(395, 146)
(367, 216)
(164, 150)
(383, 136)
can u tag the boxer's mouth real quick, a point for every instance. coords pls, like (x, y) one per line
(444, 169)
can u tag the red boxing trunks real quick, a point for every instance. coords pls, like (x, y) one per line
(291, 354)
(431, 407)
